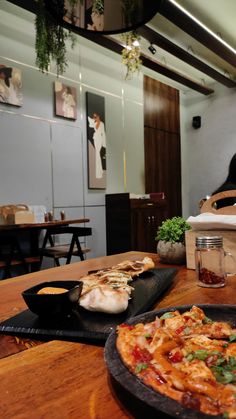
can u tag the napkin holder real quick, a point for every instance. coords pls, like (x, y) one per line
(16, 214)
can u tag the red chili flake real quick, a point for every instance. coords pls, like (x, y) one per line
(159, 378)
(128, 326)
(155, 374)
(211, 360)
(175, 357)
(209, 277)
(141, 355)
(180, 330)
(189, 318)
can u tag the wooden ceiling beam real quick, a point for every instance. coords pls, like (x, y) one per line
(156, 38)
(192, 28)
(150, 63)
(117, 47)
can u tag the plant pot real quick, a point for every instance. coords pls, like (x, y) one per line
(172, 253)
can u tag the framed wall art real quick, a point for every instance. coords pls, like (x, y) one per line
(10, 85)
(65, 100)
(96, 141)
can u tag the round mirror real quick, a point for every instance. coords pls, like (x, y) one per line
(103, 16)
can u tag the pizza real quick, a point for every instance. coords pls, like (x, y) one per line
(187, 357)
(109, 290)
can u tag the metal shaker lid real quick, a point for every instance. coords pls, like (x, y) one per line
(209, 242)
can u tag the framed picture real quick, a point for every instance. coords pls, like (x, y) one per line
(96, 141)
(10, 85)
(65, 100)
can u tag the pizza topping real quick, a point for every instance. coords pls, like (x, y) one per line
(141, 355)
(140, 367)
(191, 401)
(175, 357)
(187, 357)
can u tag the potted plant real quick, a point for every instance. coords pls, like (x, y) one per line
(171, 240)
(50, 41)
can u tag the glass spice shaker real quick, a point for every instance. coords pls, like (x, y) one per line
(210, 261)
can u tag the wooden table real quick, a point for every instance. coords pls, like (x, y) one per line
(31, 238)
(42, 226)
(70, 380)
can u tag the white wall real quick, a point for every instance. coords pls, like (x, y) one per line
(43, 158)
(207, 151)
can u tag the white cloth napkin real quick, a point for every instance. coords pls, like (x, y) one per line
(209, 221)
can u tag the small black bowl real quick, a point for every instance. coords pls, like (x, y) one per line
(46, 305)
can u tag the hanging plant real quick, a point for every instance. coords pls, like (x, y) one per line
(98, 7)
(131, 53)
(50, 42)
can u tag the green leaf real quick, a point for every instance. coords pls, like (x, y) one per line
(207, 320)
(173, 230)
(187, 330)
(140, 367)
(167, 315)
(189, 357)
(201, 354)
(232, 338)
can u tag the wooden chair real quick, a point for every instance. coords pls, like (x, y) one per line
(210, 205)
(58, 251)
(11, 256)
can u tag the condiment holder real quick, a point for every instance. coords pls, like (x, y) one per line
(210, 261)
(47, 305)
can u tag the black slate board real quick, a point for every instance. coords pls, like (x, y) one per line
(83, 324)
(139, 398)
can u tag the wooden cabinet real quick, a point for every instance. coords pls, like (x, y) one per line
(162, 146)
(131, 224)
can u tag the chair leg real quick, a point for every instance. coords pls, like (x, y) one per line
(57, 262)
(18, 248)
(49, 238)
(69, 256)
(79, 248)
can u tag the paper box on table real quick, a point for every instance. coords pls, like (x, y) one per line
(20, 217)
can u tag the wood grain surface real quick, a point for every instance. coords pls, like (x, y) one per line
(70, 380)
(53, 223)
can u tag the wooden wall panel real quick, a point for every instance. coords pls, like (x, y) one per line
(161, 106)
(162, 143)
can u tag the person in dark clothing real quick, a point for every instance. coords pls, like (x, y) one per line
(228, 185)
(5, 74)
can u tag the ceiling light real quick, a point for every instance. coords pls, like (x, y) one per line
(152, 49)
(203, 26)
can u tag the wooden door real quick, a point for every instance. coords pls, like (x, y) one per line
(162, 143)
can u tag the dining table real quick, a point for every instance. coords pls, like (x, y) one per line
(28, 235)
(70, 379)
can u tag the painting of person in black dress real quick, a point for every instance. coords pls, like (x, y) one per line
(96, 134)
